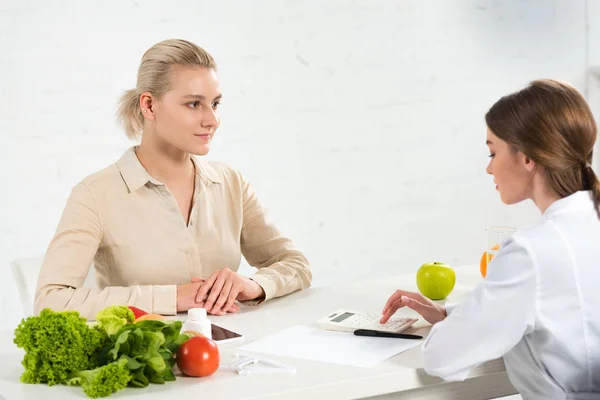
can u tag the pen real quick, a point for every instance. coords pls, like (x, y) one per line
(373, 333)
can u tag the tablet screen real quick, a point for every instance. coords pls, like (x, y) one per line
(220, 333)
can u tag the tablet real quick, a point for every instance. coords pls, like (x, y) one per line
(223, 335)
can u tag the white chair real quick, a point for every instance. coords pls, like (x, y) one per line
(26, 272)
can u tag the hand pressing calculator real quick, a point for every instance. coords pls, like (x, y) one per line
(349, 321)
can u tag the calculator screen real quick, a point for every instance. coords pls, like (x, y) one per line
(342, 317)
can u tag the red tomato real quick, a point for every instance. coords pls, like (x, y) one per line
(199, 356)
(137, 312)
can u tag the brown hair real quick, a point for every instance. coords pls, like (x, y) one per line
(153, 77)
(551, 123)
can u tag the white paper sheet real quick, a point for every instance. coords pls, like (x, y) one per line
(314, 343)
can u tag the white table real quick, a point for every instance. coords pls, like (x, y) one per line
(400, 377)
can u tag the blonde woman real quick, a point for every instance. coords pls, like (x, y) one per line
(164, 229)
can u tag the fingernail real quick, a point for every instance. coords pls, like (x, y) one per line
(405, 299)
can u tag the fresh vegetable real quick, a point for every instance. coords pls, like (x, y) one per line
(60, 347)
(150, 317)
(194, 333)
(57, 344)
(112, 318)
(148, 346)
(102, 381)
(137, 312)
(199, 356)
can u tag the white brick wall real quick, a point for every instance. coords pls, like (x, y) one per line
(360, 123)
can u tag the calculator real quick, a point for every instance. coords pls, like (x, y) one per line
(349, 321)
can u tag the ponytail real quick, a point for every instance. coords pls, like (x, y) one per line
(130, 114)
(592, 184)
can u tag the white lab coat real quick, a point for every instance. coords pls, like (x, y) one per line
(538, 307)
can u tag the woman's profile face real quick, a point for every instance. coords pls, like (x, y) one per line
(186, 115)
(512, 176)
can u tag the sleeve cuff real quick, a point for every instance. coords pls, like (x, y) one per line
(164, 299)
(449, 307)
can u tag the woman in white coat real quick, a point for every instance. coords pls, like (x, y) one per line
(539, 305)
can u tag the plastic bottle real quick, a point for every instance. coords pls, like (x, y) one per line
(197, 321)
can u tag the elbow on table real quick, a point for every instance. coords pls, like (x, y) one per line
(436, 364)
(43, 299)
(304, 272)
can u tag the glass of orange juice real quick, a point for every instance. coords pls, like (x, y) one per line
(494, 237)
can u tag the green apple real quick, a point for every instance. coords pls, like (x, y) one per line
(436, 280)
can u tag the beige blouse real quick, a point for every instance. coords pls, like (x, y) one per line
(130, 227)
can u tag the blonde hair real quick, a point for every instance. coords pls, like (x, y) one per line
(153, 77)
